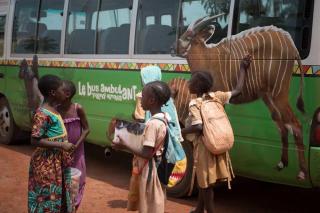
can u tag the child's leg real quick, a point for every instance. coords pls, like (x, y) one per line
(208, 199)
(200, 203)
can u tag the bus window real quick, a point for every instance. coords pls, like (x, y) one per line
(150, 20)
(77, 21)
(104, 26)
(49, 27)
(31, 22)
(2, 26)
(113, 27)
(293, 16)
(195, 9)
(81, 35)
(24, 26)
(166, 20)
(155, 30)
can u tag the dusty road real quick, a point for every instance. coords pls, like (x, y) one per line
(107, 181)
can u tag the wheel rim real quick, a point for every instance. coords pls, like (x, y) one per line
(4, 122)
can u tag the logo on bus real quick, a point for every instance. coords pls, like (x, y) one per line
(107, 91)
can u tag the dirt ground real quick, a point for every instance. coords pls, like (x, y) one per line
(107, 185)
(106, 188)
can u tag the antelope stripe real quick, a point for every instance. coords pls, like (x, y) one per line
(286, 67)
(231, 68)
(185, 90)
(271, 50)
(235, 49)
(250, 76)
(177, 100)
(224, 72)
(248, 79)
(225, 69)
(275, 109)
(220, 68)
(238, 52)
(179, 89)
(258, 74)
(183, 98)
(279, 66)
(263, 54)
(244, 50)
(255, 65)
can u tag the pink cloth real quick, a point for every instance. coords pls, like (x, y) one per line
(73, 126)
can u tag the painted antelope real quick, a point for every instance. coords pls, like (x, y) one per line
(30, 77)
(268, 78)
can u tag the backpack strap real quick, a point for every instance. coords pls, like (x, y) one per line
(156, 148)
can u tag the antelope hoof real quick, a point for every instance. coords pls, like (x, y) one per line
(301, 176)
(281, 166)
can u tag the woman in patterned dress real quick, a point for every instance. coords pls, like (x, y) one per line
(49, 173)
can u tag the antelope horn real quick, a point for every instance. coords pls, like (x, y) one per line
(204, 22)
(190, 28)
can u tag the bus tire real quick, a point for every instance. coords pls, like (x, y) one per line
(8, 128)
(183, 187)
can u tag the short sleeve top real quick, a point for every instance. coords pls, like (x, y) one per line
(47, 124)
(154, 133)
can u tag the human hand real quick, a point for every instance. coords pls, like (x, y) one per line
(245, 62)
(66, 146)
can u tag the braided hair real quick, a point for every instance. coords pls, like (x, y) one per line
(160, 90)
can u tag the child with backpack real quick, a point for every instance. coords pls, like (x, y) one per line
(153, 73)
(151, 190)
(214, 136)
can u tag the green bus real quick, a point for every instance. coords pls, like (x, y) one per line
(101, 45)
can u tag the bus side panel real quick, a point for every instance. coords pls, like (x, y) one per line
(312, 100)
(15, 93)
(315, 166)
(258, 146)
(2, 79)
(104, 94)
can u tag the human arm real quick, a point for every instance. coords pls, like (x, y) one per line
(194, 121)
(84, 125)
(154, 132)
(138, 114)
(191, 129)
(45, 143)
(38, 133)
(245, 63)
(141, 151)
